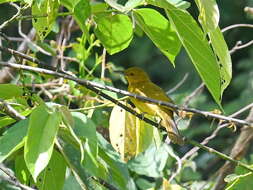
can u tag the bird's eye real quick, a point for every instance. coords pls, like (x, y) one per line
(131, 74)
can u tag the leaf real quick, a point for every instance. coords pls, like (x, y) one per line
(163, 3)
(159, 30)
(42, 130)
(197, 47)
(209, 19)
(82, 11)
(115, 5)
(151, 162)
(9, 91)
(122, 131)
(116, 170)
(85, 129)
(209, 14)
(114, 31)
(241, 179)
(69, 4)
(13, 139)
(130, 4)
(48, 9)
(144, 135)
(221, 50)
(21, 170)
(53, 176)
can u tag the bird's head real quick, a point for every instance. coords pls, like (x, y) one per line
(136, 75)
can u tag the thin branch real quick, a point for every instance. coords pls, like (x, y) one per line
(239, 45)
(248, 10)
(178, 84)
(10, 111)
(94, 85)
(6, 23)
(237, 26)
(12, 179)
(103, 64)
(193, 94)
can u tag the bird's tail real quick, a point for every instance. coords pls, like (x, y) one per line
(172, 130)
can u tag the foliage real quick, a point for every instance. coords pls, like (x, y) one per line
(74, 139)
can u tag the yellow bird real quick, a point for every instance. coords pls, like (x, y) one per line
(140, 83)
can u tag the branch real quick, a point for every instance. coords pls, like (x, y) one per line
(238, 151)
(10, 111)
(91, 84)
(12, 179)
(6, 23)
(94, 87)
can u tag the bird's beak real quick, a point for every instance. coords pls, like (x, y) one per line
(119, 72)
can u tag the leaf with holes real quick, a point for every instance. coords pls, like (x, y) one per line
(44, 16)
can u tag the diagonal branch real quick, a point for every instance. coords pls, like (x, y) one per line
(126, 93)
(94, 87)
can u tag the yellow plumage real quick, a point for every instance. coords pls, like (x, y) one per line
(140, 83)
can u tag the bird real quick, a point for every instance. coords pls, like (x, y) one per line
(139, 83)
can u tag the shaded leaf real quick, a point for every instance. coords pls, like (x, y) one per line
(9, 91)
(13, 139)
(53, 176)
(151, 162)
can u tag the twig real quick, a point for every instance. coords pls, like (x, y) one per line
(178, 84)
(215, 132)
(237, 26)
(6, 23)
(193, 94)
(103, 64)
(10, 111)
(248, 10)
(92, 84)
(239, 45)
(12, 179)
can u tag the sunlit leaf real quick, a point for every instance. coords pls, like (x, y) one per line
(114, 31)
(159, 30)
(43, 127)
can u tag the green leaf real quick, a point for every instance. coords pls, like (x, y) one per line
(209, 14)
(85, 129)
(43, 127)
(130, 4)
(209, 19)
(13, 139)
(44, 24)
(115, 5)
(82, 11)
(163, 3)
(69, 4)
(151, 162)
(241, 179)
(221, 50)
(114, 31)
(197, 47)
(116, 170)
(21, 170)
(53, 176)
(159, 30)
(9, 91)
